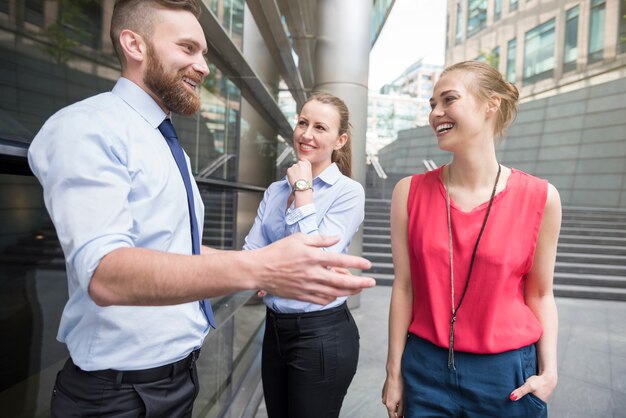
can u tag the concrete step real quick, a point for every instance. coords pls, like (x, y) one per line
(591, 240)
(604, 259)
(369, 238)
(593, 280)
(592, 249)
(382, 279)
(601, 232)
(587, 292)
(378, 257)
(585, 268)
(385, 268)
(380, 230)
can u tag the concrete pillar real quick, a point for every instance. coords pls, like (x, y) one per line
(341, 67)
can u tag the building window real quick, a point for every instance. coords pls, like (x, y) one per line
(458, 36)
(497, 10)
(596, 30)
(513, 5)
(621, 41)
(539, 53)
(33, 12)
(476, 16)
(494, 59)
(570, 49)
(511, 53)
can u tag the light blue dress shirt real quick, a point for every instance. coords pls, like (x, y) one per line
(110, 182)
(338, 209)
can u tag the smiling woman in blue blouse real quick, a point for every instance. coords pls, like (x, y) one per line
(310, 352)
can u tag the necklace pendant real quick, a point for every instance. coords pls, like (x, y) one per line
(451, 365)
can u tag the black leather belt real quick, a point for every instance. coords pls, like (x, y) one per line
(147, 375)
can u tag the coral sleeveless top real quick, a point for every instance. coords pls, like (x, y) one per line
(493, 317)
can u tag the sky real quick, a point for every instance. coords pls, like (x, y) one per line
(414, 29)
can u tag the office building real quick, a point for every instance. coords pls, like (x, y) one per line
(568, 60)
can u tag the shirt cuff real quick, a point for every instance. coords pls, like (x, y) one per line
(303, 213)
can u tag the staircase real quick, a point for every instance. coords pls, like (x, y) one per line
(219, 209)
(591, 256)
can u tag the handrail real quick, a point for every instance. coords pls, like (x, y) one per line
(221, 160)
(377, 167)
(429, 164)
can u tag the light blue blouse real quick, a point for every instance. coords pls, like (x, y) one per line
(338, 209)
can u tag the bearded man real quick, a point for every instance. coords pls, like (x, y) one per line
(115, 183)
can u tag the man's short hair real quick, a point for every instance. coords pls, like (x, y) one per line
(139, 16)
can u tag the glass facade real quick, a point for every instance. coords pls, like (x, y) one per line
(497, 10)
(380, 11)
(539, 52)
(476, 16)
(458, 36)
(570, 48)
(621, 35)
(56, 55)
(511, 61)
(596, 31)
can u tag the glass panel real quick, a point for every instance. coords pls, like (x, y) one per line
(570, 49)
(33, 12)
(476, 16)
(622, 27)
(511, 55)
(539, 52)
(230, 14)
(36, 80)
(33, 289)
(596, 31)
(459, 22)
(81, 21)
(513, 5)
(497, 10)
(494, 60)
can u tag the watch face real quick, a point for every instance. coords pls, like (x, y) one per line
(301, 184)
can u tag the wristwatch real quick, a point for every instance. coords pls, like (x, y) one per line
(301, 185)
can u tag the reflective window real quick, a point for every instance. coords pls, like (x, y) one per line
(459, 24)
(497, 10)
(511, 61)
(33, 11)
(476, 16)
(539, 52)
(230, 15)
(570, 48)
(495, 58)
(622, 27)
(43, 71)
(596, 30)
(513, 4)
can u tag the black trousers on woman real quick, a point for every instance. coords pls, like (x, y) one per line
(309, 360)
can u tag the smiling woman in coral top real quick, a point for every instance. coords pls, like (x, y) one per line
(473, 320)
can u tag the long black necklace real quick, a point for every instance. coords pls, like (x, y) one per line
(455, 310)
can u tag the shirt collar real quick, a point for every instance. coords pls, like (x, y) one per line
(330, 175)
(140, 101)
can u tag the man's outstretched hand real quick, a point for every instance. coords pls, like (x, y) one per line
(295, 268)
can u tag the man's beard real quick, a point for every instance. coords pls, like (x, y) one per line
(168, 86)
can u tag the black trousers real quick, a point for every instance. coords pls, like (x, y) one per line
(165, 392)
(309, 360)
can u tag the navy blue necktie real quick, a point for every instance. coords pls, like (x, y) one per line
(167, 129)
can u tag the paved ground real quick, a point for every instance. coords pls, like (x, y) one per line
(592, 359)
